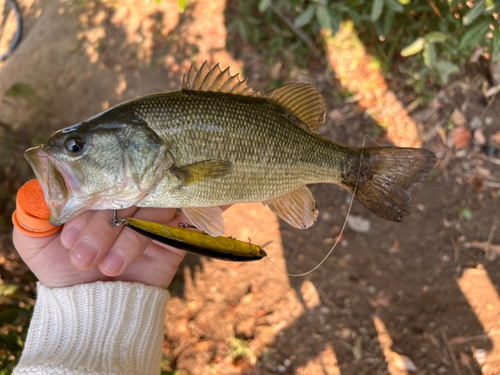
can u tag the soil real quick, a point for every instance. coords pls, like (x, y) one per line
(410, 297)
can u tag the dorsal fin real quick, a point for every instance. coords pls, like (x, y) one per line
(216, 80)
(303, 100)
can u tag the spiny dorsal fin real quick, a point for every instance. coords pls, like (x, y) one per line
(216, 80)
(303, 100)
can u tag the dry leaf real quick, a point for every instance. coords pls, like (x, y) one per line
(496, 138)
(203, 346)
(357, 348)
(460, 137)
(395, 249)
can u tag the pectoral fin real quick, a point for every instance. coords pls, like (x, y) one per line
(299, 209)
(202, 171)
(207, 219)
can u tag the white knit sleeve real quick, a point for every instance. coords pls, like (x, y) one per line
(98, 328)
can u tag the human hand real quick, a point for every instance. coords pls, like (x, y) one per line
(89, 249)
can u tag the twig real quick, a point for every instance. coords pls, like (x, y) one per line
(456, 251)
(450, 350)
(485, 246)
(302, 35)
(492, 233)
(489, 158)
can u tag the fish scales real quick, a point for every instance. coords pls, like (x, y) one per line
(270, 154)
(217, 142)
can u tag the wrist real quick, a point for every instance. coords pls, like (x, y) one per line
(102, 327)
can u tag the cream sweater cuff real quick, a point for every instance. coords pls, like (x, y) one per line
(97, 328)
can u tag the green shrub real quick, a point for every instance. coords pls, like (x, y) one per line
(441, 34)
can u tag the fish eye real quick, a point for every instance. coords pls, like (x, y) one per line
(74, 145)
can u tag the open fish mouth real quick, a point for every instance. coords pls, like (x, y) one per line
(52, 181)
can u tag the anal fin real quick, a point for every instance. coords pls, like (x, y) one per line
(298, 208)
(207, 219)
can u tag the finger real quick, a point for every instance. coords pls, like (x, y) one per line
(96, 238)
(161, 265)
(130, 245)
(28, 247)
(73, 228)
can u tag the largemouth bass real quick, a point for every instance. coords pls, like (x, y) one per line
(218, 142)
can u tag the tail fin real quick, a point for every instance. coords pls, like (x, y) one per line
(387, 175)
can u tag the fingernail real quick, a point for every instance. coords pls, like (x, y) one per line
(69, 236)
(113, 262)
(84, 253)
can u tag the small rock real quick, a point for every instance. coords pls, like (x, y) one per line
(324, 310)
(335, 114)
(421, 207)
(475, 123)
(445, 258)
(346, 333)
(480, 356)
(287, 362)
(358, 224)
(442, 370)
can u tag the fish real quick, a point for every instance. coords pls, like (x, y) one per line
(218, 142)
(222, 248)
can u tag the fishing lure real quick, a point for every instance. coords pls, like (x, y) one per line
(222, 248)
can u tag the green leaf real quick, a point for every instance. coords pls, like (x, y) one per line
(263, 5)
(395, 5)
(377, 7)
(7, 289)
(8, 317)
(445, 68)
(495, 41)
(388, 21)
(466, 213)
(405, 2)
(182, 6)
(305, 16)
(475, 35)
(435, 37)
(323, 17)
(429, 55)
(478, 8)
(353, 13)
(413, 48)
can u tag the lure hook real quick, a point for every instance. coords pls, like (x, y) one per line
(115, 221)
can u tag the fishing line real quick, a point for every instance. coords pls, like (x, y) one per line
(338, 237)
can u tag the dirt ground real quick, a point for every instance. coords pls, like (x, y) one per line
(413, 297)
